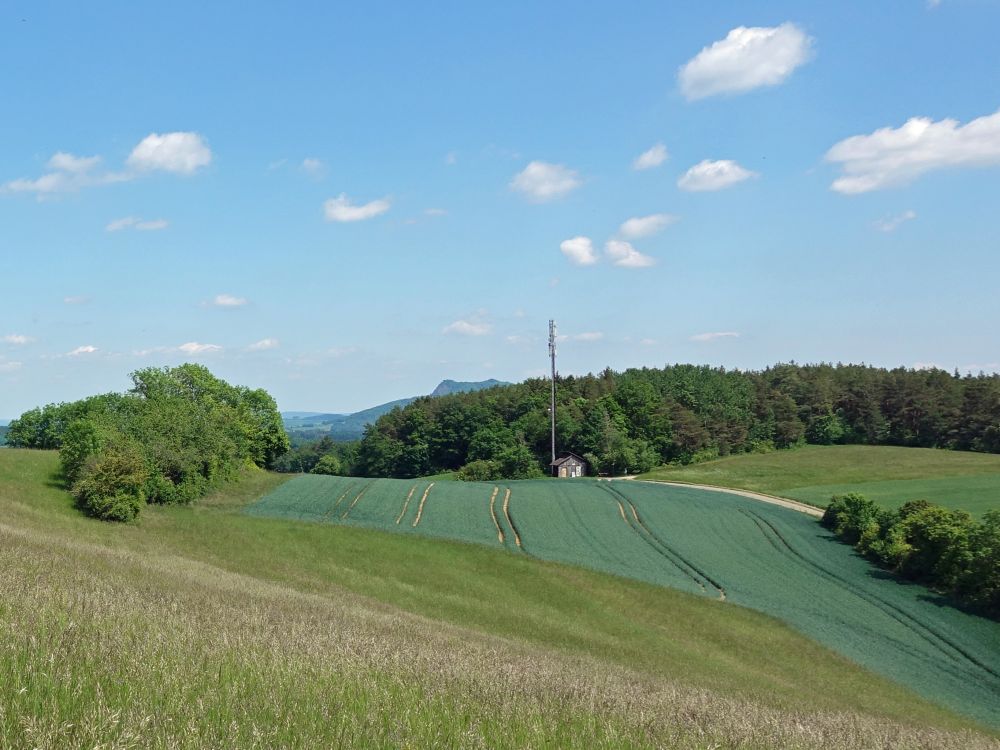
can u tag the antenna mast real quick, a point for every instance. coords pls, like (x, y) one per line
(552, 405)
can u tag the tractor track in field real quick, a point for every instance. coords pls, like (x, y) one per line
(420, 508)
(406, 504)
(355, 500)
(938, 640)
(506, 513)
(333, 507)
(493, 514)
(676, 559)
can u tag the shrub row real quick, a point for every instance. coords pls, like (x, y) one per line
(947, 550)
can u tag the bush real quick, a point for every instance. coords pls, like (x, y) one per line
(328, 464)
(110, 485)
(479, 471)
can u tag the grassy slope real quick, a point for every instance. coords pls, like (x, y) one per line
(289, 633)
(890, 475)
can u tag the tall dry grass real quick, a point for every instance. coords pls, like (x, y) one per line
(113, 648)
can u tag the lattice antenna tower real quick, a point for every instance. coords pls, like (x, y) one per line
(552, 404)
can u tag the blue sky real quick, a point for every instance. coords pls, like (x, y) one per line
(345, 205)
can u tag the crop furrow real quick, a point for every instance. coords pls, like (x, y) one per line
(506, 512)
(355, 500)
(406, 504)
(493, 514)
(333, 507)
(420, 508)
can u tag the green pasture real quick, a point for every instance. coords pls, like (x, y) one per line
(886, 474)
(207, 626)
(761, 556)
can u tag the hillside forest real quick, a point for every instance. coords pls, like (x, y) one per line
(637, 419)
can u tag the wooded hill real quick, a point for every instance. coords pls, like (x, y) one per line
(639, 418)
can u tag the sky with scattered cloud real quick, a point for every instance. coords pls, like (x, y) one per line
(346, 208)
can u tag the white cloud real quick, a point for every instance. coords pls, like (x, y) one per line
(341, 209)
(713, 175)
(263, 345)
(313, 166)
(451, 158)
(178, 152)
(17, 339)
(134, 222)
(647, 342)
(891, 157)
(654, 157)
(63, 162)
(588, 336)
(645, 226)
(890, 223)
(541, 181)
(435, 212)
(10, 366)
(626, 256)
(580, 250)
(746, 59)
(468, 328)
(86, 349)
(927, 366)
(68, 174)
(193, 347)
(228, 300)
(78, 299)
(714, 336)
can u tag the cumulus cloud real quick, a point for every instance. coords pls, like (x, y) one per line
(654, 157)
(17, 339)
(580, 250)
(263, 345)
(229, 300)
(134, 222)
(624, 255)
(77, 299)
(193, 347)
(10, 366)
(748, 58)
(645, 226)
(541, 181)
(588, 336)
(80, 350)
(891, 223)
(468, 328)
(178, 152)
(715, 336)
(890, 157)
(341, 209)
(713, 175)
(435, 212)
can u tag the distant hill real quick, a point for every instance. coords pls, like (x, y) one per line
(305, 425)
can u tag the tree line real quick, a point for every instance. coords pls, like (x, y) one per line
(640, 418)
(176, 434)
(947, 550)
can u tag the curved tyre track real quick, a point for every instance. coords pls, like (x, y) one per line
(939, 641)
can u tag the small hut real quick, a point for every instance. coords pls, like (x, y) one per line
(569, 466)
